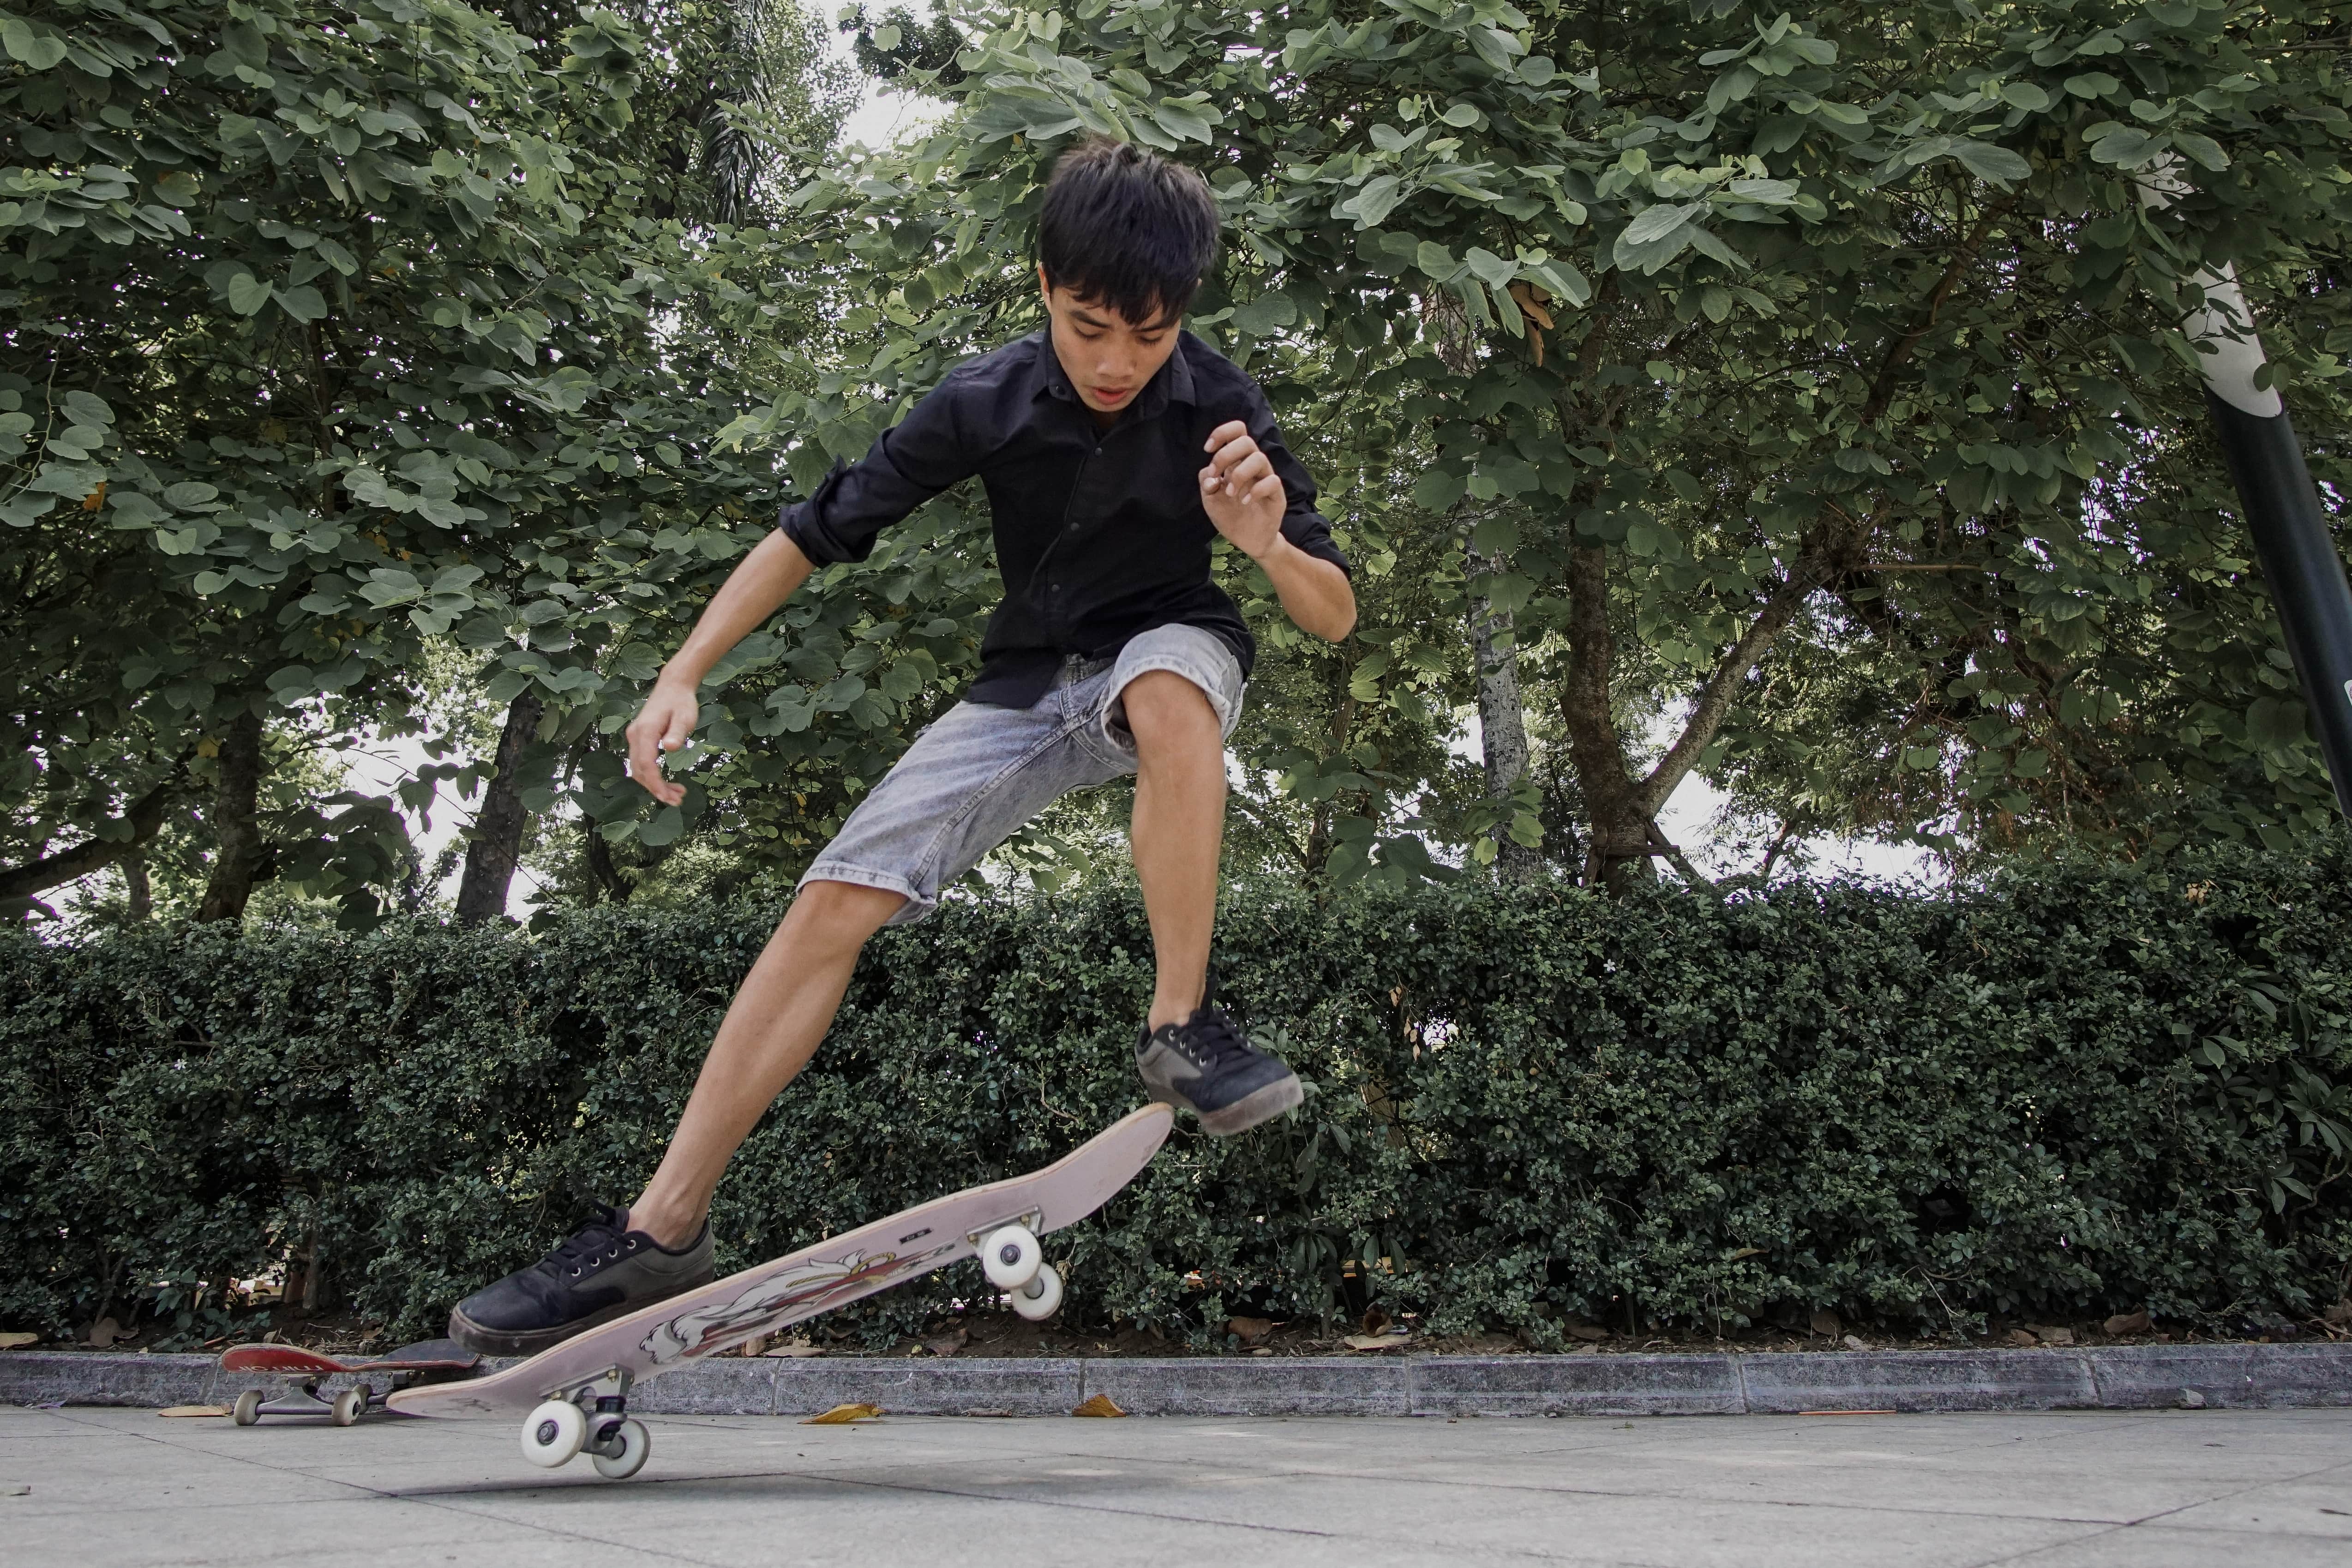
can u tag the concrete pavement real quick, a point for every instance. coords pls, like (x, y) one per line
(2245, 1488)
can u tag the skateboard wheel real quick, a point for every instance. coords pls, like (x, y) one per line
(624, 1452)
(1042, 1297)
(349, 1405)
(248, 1409)
(554, 1433)
(1010, 1257)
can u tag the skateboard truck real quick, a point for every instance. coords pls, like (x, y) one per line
(306, 1400)
(1015, 1263)
(590, 1417)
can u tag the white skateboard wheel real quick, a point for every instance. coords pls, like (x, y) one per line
(248, 1407)
(625, 1451)
(1010, 1257)
(554, 1433)
(349, 1405)
(1042, 1297)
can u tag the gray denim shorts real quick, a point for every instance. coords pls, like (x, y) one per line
(978, 773)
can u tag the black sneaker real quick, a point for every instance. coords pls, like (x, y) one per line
(604, 1272)
(1204, 1064)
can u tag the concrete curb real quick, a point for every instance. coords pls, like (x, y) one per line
(2135, 1377)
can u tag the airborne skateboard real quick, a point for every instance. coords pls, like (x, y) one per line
(428, 1361)
(576, 1393)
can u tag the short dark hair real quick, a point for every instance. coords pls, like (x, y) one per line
(1123, 227)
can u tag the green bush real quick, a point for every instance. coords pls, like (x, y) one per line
(2073, 1091)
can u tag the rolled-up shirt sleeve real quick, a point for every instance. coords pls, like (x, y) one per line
(909, 464)
(1301, 524)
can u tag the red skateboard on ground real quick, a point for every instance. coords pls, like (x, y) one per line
(428, 1361)
(576, 1393)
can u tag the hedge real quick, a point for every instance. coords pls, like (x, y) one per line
(2072, 1091)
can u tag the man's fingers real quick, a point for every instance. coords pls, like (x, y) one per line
(1234, 452)
(1224, 432)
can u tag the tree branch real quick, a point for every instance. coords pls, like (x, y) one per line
(145, 818)
(1722, 687)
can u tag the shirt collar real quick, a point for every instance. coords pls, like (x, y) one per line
(1172, 384)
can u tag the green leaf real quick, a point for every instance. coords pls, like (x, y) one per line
(1460, 115)
(1986, 162)
(2092, 84)
(1496, 271)
(304, 304)
(86, 408)
(1437, 489)
(1265, 314)
(248, 294)
(38, 51)
(1435, 260)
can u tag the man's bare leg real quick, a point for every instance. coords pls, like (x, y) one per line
(774, 1025)
(1177, 831)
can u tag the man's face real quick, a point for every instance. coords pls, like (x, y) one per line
(1107, 357)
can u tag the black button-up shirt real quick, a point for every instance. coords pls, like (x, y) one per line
(1101, 534)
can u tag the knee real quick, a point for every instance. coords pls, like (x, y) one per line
(1163, 707)
(842, 912)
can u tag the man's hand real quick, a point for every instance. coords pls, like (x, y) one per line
(661, 725)
(1241, 492)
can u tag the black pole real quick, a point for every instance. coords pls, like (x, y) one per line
(2300, 564)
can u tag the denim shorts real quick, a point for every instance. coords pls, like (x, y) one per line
(978, 773)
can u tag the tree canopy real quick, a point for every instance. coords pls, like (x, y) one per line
(1795, 399)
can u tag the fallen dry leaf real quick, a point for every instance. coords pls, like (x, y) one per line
(1376, 1321)
(194, 1410)
(1376, 1342)
(104, 1332)
(18, 1342)
(2052, 1336)
(1854, 1343)
(2341, 1313)
(1248, 1328)
(1592, 1334)
(1825, 1324)
(2129, 1323)
(947, 1345)
(793, 1348)
(2022, 1337)
(1098, 1404)
(843, 1415)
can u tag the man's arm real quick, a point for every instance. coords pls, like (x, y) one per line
(1246, 500)
(755, 589)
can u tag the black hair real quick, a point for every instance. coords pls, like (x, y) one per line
(1124, 227)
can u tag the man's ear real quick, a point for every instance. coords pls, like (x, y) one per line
(1045, 284)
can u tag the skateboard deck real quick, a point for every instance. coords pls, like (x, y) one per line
(800, 1285)
(445, 1356)
(429, 1361)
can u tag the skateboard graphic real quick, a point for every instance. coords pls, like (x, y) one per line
(576, 1393)
(428, 1361)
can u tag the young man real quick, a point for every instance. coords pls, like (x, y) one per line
(1115, 448)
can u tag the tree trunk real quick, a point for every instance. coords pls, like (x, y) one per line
(1619, 855)
(601, 870)
(240, 858)
(496, 842)
(141, 904)
(1502, 718)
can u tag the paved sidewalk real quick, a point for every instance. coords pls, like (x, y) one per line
(2240, 1489)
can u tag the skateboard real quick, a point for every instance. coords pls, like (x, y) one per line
(429, 1360)
(576, 1393)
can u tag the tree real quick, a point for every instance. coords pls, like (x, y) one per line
(1823, 331)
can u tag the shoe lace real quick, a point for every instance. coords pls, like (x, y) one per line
(1211, 1039)
(600, 1241)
